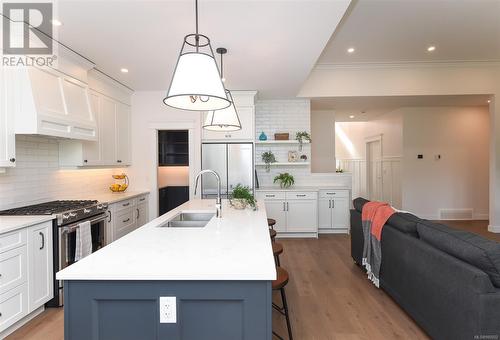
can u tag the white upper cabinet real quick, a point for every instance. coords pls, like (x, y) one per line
(7, 136)
(113, 145)
(122, 134)
(245, 106)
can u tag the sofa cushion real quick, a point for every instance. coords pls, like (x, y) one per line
(359, 203)
(404, 222)
(468, 247)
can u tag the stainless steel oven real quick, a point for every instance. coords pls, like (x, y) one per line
(67, 246)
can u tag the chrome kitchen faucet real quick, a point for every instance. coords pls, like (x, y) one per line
(218, 202)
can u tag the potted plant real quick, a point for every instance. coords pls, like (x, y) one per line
(285, 179)
(268, 158)
(301, 137)
(241, 197)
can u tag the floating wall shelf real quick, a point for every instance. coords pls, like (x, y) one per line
(284, 164)
(291, 141)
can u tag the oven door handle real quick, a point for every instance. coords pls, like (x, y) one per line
(73, 227)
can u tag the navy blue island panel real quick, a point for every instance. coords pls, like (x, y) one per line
(129, 310)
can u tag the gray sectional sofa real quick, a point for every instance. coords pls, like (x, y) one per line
(447, 280)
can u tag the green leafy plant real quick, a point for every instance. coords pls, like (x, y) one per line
(244, 193)
(301, 137)
(285, 179)
(268, 158)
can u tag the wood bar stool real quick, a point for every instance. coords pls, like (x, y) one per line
(277, 251)
(272, 234)
(271, 222)
(279, 284)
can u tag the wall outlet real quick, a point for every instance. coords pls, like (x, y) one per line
(168, 309)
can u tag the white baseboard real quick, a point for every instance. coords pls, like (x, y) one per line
(296, 235)
(334, 231)
(494, 229)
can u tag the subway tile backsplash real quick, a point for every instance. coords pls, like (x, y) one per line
(37, 176)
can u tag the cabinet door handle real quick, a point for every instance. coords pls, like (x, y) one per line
(125, 204)
(284, 207)
(333, 204)
(119, 161)
(138, 213)
(329, 204)
(43, 240)
(12, 160)
(125, 221)
(287, 207)
(109, 212)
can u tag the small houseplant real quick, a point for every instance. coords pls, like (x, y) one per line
(301, 137)
(285, 179)
(241, 197)
(268, 158)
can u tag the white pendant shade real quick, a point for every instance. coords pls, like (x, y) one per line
(196, 84)
(223, 120)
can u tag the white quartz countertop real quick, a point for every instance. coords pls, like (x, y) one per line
(305, 188)
(109, 197)
(10, 223)
(235, 247)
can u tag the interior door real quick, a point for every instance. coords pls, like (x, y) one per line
(214, 157)
(240, 165)
(374, 170)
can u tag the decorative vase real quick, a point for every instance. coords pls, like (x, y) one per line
(238, 203)
(262, 136)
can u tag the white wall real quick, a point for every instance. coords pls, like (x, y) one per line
(459, 180)
(291, 116)
(149, 114)
(454, 78)
(323, 150)
(37, 177)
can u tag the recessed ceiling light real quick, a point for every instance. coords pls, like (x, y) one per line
(350, 50)
(489, 101)
(431, 48)
(124, 70)
(351, 116)
(56, 22)
(223, 79)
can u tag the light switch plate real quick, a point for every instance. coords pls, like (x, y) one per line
(168, 309)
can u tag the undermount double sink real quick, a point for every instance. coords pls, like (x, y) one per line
(189, 220)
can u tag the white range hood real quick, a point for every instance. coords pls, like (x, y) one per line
(53, 102)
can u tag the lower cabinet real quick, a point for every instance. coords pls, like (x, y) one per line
(295, 212)
(126, 216)
(26, 273)
(333, 210)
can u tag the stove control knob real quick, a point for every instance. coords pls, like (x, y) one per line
(72, 214)
(86, 211)
(99, 207)
(65, 216)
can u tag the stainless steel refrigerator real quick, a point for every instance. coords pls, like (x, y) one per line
(232, 161)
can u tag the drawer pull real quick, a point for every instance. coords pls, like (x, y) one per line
(301, 195)
(126, 204)
(142, 199)
(270, 195)
(125, 221)
(330, 193)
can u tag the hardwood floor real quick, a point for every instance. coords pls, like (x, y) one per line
(328, 295)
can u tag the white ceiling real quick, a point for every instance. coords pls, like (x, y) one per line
(368, 108)
(272, 45)
(401, 31)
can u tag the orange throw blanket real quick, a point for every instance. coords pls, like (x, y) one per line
(374, 216)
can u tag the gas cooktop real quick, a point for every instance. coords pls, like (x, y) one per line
(66, 211)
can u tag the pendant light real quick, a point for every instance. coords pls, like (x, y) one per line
(225, 119)
(196, 84)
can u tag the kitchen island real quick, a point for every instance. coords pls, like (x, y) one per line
(176, 282)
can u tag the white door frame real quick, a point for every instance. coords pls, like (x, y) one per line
(194, 132)
(368, 140)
